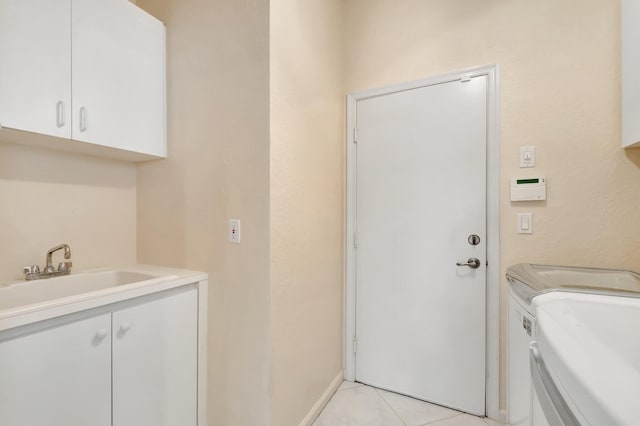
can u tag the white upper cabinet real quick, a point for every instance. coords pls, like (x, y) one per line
(35, 66)
(630, 73)
(89, 71)
(118, 76)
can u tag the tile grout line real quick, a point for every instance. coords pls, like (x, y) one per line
(389, 405)
(435, 422)
(432, 422)
(350, 387)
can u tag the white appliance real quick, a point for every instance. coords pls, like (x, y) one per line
(585, 360)
(526, 282)
(548, 404)
(522, 324)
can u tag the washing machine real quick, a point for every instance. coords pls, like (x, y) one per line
(522, 324)
(527, 281)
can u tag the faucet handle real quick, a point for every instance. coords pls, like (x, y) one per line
(64, 266)
(30, 270)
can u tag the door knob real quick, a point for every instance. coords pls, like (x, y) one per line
(472, 263)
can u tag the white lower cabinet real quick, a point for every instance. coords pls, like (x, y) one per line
(133, 365)
(58, 376)
(155, 374)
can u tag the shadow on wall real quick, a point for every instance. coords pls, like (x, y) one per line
(29, 164)
(634, 156)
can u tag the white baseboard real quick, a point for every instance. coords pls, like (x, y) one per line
(315, 411)
(503, 416)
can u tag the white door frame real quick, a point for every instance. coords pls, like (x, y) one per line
(492, 72)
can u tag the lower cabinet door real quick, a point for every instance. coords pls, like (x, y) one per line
(57, 376)
(155, 362)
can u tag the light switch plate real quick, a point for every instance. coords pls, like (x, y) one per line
(527, 156)
(525, 223)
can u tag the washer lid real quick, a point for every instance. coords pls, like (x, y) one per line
(590, 345)
(529, 280)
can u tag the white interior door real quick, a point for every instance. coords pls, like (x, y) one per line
(421, 192)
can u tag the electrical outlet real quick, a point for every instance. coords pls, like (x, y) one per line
(234, 231)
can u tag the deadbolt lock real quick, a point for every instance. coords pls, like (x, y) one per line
(473, 239)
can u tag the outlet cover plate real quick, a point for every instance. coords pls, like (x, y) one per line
(234, 231)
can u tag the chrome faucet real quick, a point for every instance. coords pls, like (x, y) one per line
(64, 268)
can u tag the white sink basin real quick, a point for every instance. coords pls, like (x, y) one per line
(27, 293)
(591, 345)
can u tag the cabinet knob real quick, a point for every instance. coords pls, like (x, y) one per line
(102, 333)
(124, 327)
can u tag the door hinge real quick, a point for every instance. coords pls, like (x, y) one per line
(355, 240)
(465, 78)
(355, 345)
(355, 135)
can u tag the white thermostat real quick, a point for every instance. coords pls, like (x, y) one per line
(528, 189)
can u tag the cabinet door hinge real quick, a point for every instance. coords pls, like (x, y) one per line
(355, 240)
(355, 345)
(355, 135)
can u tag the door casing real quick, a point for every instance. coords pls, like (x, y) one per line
(492, 72)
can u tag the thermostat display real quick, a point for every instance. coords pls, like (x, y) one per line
(528, 189)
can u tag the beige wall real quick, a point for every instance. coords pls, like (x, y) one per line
(48, 198)
(218, 168)
(560, 91)
(306, 204)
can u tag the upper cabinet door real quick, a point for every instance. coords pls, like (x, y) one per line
(35, 66)
(630, 71)
(118, 76)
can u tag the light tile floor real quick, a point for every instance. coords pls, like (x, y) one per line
(355, 404)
